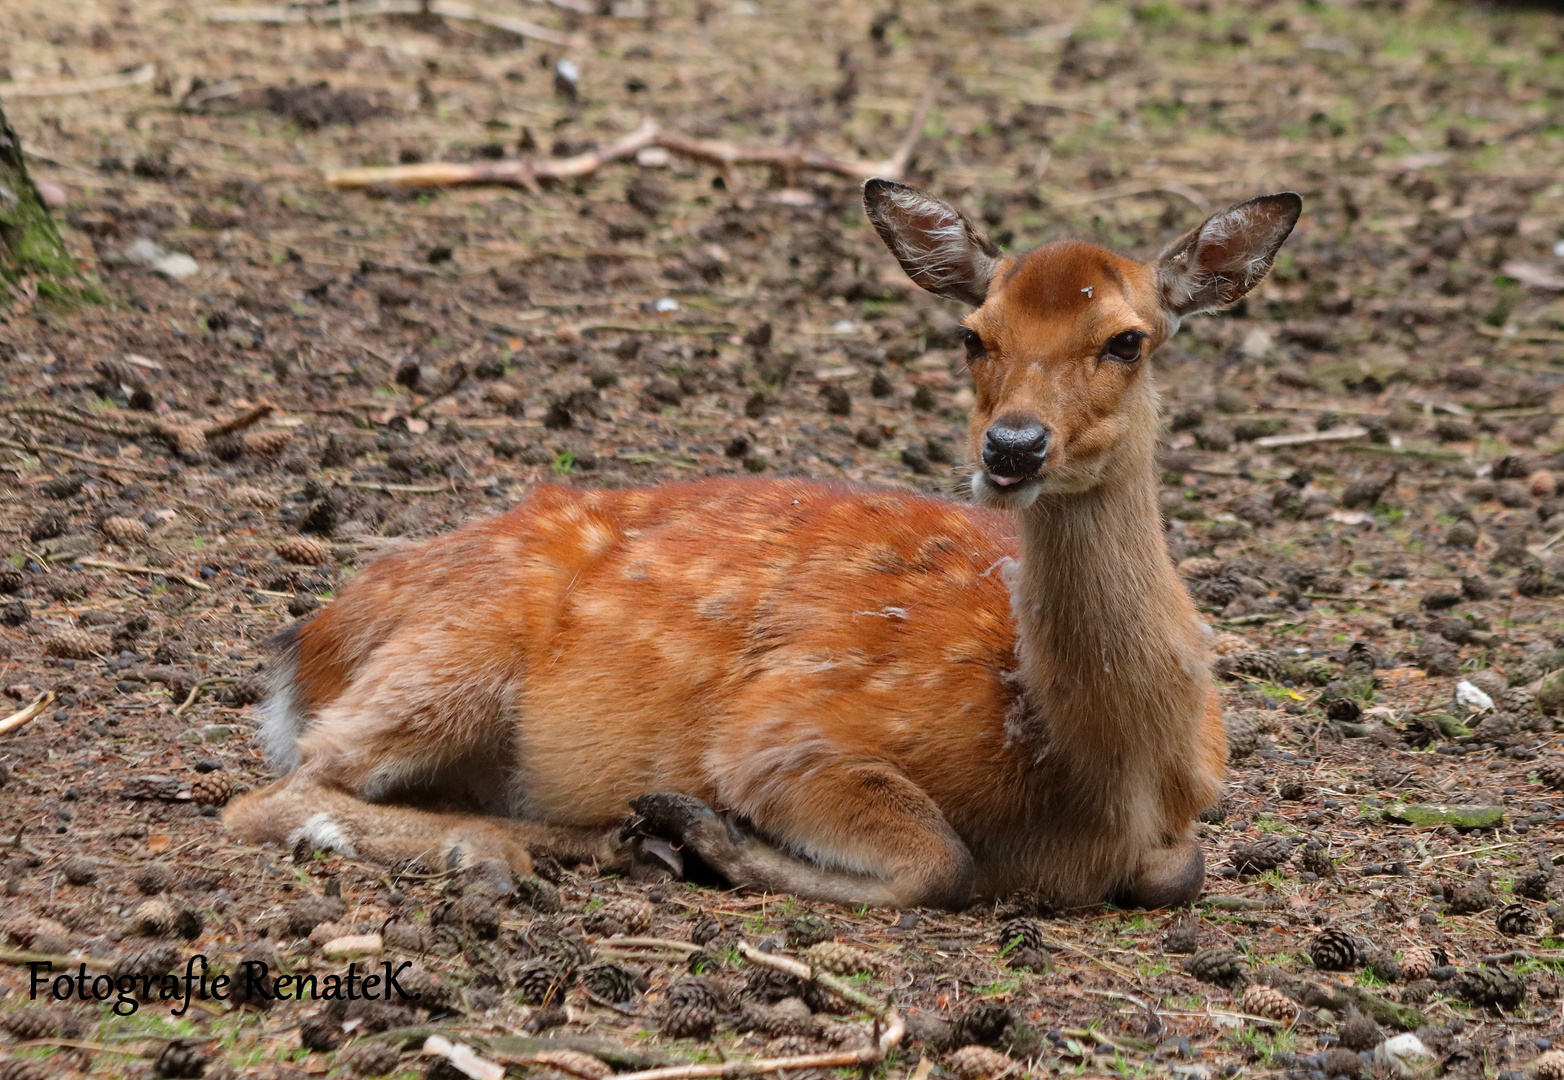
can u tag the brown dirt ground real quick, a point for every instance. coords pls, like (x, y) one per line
(433, 354)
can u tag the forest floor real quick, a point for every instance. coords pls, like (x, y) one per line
(430, 355)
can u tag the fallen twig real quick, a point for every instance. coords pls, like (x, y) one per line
(1350, 431)
(185, 438)
(405, 489)
(197, 688)
(249, 418)
(685, 947)
(21, 958)
(143, 74)
(526, 172)
(150, 571)
(23, 715)
(60, 451)
(448, 9)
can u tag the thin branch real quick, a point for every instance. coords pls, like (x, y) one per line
(448, 9)
(149, 571)
(197, 688)
(23, 715)
(143, 74)
(60, 451)
(23, 957)
(526, 172)
(1340, 434)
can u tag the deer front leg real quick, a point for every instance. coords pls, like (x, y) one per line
(854, 832)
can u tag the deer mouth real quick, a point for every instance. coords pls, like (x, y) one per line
(1006, 492)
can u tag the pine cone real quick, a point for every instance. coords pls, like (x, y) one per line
(1549, 1066)
(212, 789)
(790, 1016)
(1418, 961)
(1417, 993)
(1335, 950)
(26, 1069)
(26, 930)
(626, 915)
(1264, 664)
(371, 1058)
(1383, 965)
(689, 1010)
(982, 1063)
(705, 929)
(308, 912)
(1518, 700)
(1339, 1061)
(1472, 897)
(614, 982)
(153, 961)
(124, 530)
(189, 441)
(476, 915)
(1491, 986)
(1219, 965)
(1515, 920)
(1182, 937)
(179, 1061)
(1358, 1032)
(71, 644)
(838, 959)
(1551, 773)
(1244, 728)
(189, 923)
(153, 918)
(564, 945)
(1315, 861)
(1266, 853)
(1268, 1002)
(41, 1022)
(11, 579)
(320, 1034)
(267, 443)
(304, 551)
(544, 980)
(253, 497)
(1532, 883)
(1018, 935)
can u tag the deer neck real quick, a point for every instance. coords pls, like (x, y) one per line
(1113, 659)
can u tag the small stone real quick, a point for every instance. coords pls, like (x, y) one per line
(352, 945)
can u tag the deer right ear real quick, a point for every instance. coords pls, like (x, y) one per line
(939, 248)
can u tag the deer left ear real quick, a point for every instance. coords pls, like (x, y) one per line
(1227, 256)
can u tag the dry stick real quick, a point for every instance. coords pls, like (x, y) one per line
(449, 9)
(60, 451)
(24, 957)
(249, 418)
(23, 715)
(1350, 431)
(143, 74)
(150, 571)
(527, 172)
(198, 687)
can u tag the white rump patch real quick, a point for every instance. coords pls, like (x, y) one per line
(325, 834)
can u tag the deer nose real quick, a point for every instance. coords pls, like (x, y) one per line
(1014, 448)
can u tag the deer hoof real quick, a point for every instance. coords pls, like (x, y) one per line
(684, 821)
(1168, 877)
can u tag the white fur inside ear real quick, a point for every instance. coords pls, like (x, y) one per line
(1226, 257)
(937, 247)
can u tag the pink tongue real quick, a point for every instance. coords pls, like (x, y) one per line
(1004, 481)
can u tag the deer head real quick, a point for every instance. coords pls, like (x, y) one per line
(1059, 341)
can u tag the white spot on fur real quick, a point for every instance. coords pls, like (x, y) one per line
(325, 834)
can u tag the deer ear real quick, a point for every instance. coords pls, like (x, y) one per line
(935, 243)
(1230, 254)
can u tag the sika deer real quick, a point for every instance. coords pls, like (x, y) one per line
(852, 695)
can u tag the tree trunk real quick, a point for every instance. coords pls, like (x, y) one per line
(32, 255)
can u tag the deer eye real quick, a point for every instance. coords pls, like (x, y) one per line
(1125, 346)
(974, 344)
